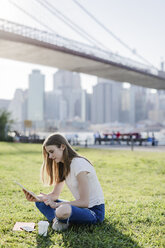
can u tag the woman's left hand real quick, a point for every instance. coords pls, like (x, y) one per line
(51, 203)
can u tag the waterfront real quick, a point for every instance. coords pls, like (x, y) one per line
(82, 137)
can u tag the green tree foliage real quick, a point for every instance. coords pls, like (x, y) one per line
(5, 124)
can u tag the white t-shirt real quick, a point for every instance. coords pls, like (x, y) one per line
(95, 192)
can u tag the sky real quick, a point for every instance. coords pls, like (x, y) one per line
(138, 23)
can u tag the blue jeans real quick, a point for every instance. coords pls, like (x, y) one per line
(78, 215)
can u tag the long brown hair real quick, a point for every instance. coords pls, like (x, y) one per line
(51, 171)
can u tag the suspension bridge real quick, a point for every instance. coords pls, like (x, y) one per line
(37, 46)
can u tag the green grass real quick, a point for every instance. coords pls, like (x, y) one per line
(134, 190)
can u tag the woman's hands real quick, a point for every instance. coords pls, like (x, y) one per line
(48, 196)
(48, 199)
(51, 203)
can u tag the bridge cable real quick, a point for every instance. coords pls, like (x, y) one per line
(76, 28)
(31, 16)
(70, 23)
(111, 33)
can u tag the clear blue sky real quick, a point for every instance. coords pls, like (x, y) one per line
(139, 23)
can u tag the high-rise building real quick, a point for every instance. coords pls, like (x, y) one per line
(24, 105)
(16, 106)
(18, 109)
(36, 96)
(125, 105)
(4, 104)
(162, 104)
(127, 110)
(106, 101)
(156, 112)
(132, 106)
(66, 80)
(63, 110)
(69, 84)
(140, 96)
(52, 105)
(86, 106)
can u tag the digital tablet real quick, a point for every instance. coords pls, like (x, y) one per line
(31, 193)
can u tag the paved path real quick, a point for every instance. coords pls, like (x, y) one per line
(128, 148)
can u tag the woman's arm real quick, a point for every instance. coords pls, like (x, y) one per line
(54, 195)
(57, 190)
(83, 188)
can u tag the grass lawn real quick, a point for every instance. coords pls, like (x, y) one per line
(134, 190)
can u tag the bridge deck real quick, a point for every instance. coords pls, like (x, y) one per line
(22, 48)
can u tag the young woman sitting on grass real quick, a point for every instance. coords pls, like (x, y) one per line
(62, 165)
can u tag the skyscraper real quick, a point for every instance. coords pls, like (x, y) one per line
(140, 103)
(52, 105)
(18, 109)
(156, 112)
(4, 104)
(69, 84)
(127, 111)
(106, 101)
(86, 106)
(16, 106)
(36, 96)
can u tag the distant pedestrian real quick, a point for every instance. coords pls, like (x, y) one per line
(153, 139)
(118, 135)
(113, 138)
(97, 138)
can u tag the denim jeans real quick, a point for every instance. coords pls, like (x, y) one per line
(78, 215)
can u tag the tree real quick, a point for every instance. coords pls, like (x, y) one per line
(5, 124)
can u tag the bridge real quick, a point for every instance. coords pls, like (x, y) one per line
(27, 44)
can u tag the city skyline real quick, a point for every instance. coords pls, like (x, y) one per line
(49, 86)
(67, 105)
(20, 78)
(145, 20)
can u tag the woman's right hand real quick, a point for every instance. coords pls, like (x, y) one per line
(31, 198)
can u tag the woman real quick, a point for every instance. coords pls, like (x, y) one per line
(63, 165)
